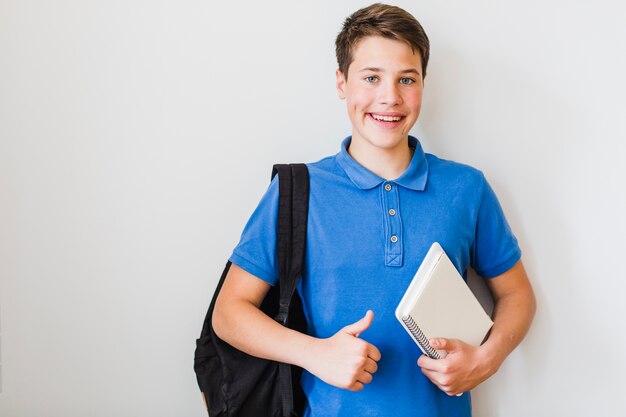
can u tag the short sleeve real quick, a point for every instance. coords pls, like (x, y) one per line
(256, 250)
(495, 249)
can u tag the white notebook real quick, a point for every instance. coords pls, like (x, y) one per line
(438, 303)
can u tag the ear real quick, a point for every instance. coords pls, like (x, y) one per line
(341, 84)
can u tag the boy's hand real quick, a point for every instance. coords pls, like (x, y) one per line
(461, 370)
(344, 360)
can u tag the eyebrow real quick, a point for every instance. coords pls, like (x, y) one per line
(406, 71)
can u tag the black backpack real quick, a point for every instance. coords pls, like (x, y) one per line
(234, 383)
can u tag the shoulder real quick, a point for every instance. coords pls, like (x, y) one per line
(324, 165)
(323, 170)
(327, 172)
(454, 174)
(324, 175)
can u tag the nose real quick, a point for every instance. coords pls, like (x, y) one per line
(390, 94)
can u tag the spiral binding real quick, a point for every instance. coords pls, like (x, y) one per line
(419, 337)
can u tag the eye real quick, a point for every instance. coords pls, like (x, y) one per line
(371, 79)
(406, 81)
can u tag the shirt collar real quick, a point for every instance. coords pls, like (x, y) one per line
(413, 178)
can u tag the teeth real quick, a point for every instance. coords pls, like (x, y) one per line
(385, 118)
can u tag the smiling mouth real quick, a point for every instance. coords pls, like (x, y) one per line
(385, 120)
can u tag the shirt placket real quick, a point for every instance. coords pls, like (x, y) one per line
(393, 224)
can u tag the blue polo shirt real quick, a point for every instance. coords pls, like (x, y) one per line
(366, 239)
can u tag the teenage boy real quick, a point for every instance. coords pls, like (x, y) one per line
(375, 208)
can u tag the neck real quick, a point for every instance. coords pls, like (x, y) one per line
(386, 163)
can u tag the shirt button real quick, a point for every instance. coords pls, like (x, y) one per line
(394, 239)
(392, 212)
(388, 187)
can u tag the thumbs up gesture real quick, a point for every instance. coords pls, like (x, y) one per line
(344, 360)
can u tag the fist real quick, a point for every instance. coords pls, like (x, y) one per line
(344, 360)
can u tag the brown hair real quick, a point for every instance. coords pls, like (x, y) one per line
(380, 20)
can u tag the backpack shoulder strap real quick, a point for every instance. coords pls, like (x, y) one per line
(293, 210)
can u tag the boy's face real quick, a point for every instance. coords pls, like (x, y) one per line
(383, 92)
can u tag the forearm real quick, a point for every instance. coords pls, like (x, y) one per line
(242, 325)
(343, 360)
(513, 314)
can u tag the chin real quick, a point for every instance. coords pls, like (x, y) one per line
(389, 142)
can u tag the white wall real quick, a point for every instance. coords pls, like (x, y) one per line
(136, 138)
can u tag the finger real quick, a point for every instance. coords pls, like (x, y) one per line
(435, 365)
(355, 329)
(370, 366)
(433, 377)
(445, 383)
(357, 386)
(373, 352)
(365, 378)
(441, 343)
(441, 381)
(443, 366)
